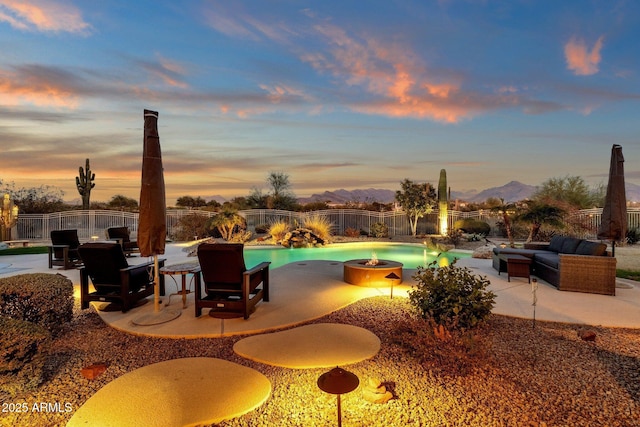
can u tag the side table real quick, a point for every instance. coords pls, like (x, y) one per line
(517, 266)
(183, 270)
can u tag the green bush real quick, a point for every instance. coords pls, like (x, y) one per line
(191, 227)
(379, 229)
(351, 232)
(262, 228)
(451, 296)
(41, 298)
(473, 226)
(23, 350)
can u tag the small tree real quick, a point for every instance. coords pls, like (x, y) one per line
(191, 202)
(281, 196)
(538, 214)
(416, 201)
(227, 222)
(506, 210)
(122, 203)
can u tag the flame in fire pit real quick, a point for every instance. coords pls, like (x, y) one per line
(373, 260)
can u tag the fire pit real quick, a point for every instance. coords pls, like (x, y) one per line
(364, 272)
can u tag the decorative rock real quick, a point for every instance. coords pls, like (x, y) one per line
(483, 252)
(375, 392)
(587, 335)
(301, 238)
(91, 372)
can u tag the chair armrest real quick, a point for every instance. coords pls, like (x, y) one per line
(257, 268)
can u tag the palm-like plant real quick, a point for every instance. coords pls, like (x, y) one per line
(538, 214)
(506, 210)
(226, 223)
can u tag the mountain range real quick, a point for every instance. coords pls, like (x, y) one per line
(511, 192)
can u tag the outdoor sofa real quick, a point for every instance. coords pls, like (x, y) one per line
(567, 263)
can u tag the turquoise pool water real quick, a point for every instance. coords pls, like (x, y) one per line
(410, 255)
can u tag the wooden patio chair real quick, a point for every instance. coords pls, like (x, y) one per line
(63, 250)
(123, 236)
(230, 290)
(113, 279)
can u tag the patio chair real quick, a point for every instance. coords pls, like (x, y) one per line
(230, 289)
(122, 235)
(63, 250)
(113, 279)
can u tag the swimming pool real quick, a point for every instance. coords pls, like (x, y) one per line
(410, 255)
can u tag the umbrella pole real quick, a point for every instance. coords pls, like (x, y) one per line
(156, 285)
(613, 248)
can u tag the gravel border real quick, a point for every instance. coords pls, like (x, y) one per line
(509, 374)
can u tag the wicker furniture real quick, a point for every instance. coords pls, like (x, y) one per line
(569, 264)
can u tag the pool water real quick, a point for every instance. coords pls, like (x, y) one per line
(411, 256)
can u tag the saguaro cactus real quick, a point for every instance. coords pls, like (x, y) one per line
(443, 203)
(85, 183)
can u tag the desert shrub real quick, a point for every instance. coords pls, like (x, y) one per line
(351, 232)
(475, 237)
(319, 225)
(454, 236)
(633, 236)
(451, 296)
(241, 236)
(278, 229)
(41, 298)
(379, 229)
(191, 227)
(23, 351)
(262, 228)
(470, 225)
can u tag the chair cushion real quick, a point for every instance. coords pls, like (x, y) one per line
(570, 245)
(556, 243)
(549, 259)
(591, 248)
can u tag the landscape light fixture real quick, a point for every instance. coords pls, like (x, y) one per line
(338, 381)
(392, 276)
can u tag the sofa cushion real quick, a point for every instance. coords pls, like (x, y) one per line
(555, 245)
(570, 245)
(591, 248)
(549, 259)
(529, 253)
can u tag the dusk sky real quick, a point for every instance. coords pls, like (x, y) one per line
(337, 94)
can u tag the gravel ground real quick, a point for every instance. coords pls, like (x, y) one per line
(509, 374)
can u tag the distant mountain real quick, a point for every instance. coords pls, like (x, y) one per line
(342, 196)
(633, 192)
(514, 191)
(511, 192)
(218, 198)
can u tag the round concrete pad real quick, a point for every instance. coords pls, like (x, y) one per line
(312, 346)
(180, 392)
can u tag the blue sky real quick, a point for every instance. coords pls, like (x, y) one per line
(337, 94)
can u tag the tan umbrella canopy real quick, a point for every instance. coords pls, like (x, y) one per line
(152, 223)
(613, 225)
(152, 227)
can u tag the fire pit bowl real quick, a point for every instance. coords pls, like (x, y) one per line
(357, 272)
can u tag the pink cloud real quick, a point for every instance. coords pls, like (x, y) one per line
(17, 88)
(42, 15)
(581, 60)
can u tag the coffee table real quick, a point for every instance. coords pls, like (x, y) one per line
(517, 266)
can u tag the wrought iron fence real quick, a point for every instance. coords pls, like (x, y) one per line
(90, 223)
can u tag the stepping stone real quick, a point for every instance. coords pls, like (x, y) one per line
(311, 346)
(187, 391)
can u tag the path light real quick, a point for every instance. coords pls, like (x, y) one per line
(392, 276)
(338, 381)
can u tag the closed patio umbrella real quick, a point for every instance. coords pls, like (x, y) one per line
(613, 225)
(152, 224)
